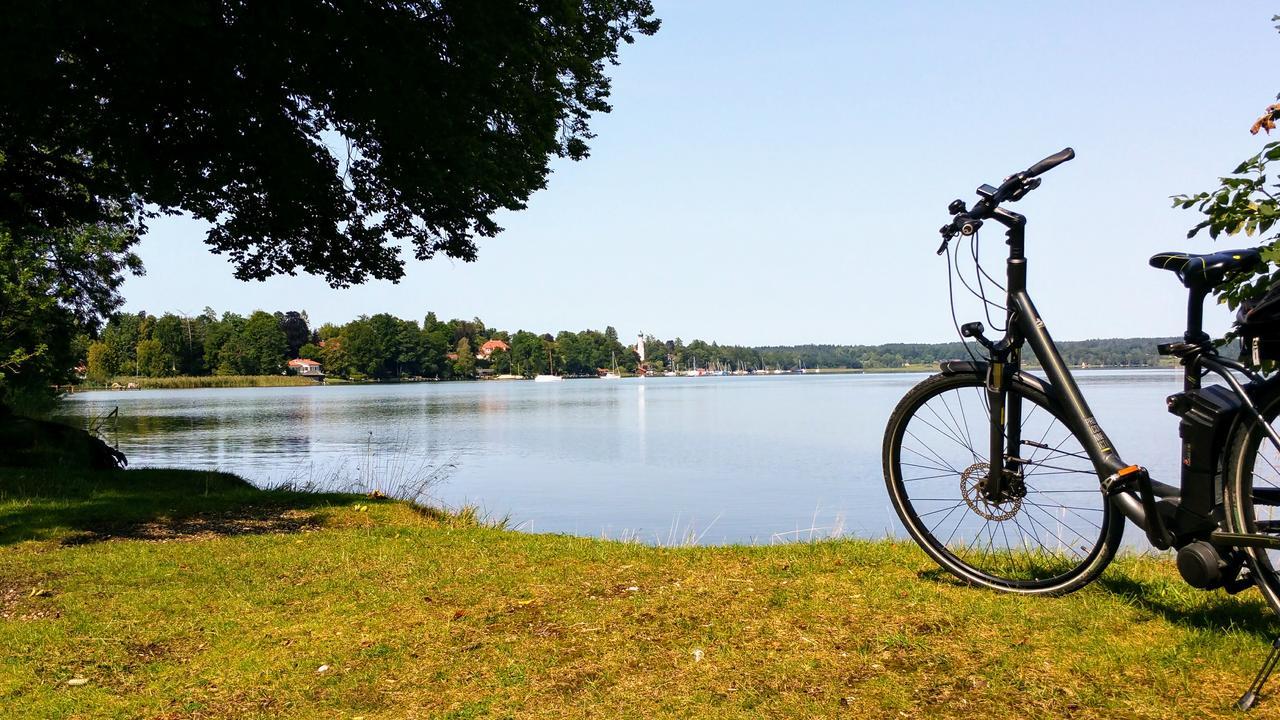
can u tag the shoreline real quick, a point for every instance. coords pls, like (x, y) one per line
(223, 382)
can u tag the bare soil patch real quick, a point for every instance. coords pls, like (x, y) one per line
(204, 526)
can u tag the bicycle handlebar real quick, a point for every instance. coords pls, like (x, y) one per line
(1050, 162)
(1013, 189)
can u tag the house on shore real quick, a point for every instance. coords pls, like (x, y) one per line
(307, 368)
(490, 348)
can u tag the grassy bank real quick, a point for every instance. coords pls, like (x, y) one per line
(191, 595)
(204, 381)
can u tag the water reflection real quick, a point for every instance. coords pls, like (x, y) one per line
(741, 459)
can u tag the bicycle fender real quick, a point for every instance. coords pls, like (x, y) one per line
(969, 367)
(962, 367)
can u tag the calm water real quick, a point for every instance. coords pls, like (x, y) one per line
(726, 459)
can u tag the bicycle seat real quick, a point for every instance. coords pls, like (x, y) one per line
(1206, 271)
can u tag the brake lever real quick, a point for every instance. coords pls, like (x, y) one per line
(947, 234)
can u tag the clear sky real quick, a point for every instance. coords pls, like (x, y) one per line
(775, 173)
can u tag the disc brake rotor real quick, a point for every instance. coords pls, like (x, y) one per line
(971, 489)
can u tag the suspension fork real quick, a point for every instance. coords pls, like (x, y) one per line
(1005, 467)
(1004, 475)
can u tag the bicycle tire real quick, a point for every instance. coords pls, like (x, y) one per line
(1248, 442)
(1025, 563)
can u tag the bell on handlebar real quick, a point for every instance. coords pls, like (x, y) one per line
(956, 207)
(970, 227)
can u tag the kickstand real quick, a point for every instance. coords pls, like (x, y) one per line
(1250, 697)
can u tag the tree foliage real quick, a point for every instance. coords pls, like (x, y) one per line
(464, 362)
(296, 330)
(313, 136)
(264, 345)
(150, 346)
(55, 286)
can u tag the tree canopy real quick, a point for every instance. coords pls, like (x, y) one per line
(52, 287)
(313, 136)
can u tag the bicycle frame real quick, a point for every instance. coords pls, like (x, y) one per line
(1170, 515)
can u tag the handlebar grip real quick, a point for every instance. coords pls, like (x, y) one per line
(1050, 162)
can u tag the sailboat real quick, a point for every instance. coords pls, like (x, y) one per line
(613, 374)
(552, 377)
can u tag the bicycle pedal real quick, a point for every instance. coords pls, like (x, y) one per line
(1254, 693)
(1123, 479)
(1243, 581)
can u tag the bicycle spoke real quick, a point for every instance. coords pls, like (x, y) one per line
(1057, 521)
(928, 477)
(943, 521)
(935, 512)
(968, 437)
(959, 401)
(936, 456)
(1065, 472)
(947, 433)
(1082, 456)
(1042, 437)
(926, 467)
(1266, 496)
(1044, 508)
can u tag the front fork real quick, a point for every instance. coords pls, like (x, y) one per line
(1004, 481)
(1004, 476)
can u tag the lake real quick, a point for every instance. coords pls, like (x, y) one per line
(666, 460)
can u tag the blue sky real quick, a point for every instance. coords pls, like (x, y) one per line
(775, 173)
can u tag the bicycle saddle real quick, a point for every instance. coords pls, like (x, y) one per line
(1206, 271)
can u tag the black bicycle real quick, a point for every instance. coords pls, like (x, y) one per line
(1008, 481)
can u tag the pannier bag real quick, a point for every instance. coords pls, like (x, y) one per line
(1258, 325)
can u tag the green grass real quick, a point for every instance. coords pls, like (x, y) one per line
(183, 382)
(191, 595)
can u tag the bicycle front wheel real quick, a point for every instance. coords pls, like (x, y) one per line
(1054, 539)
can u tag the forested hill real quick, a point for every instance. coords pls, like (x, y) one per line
(1109, 352)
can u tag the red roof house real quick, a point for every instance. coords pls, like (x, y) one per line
(491, 347)
(303, 366)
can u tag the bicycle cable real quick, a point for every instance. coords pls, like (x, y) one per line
(951, 298)
(953, 264)
(979, 272)
(983, 270)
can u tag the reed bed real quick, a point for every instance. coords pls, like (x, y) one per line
(202, 381)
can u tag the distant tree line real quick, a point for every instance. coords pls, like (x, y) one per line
(378, 346)
(385, 347)
(1109, 352)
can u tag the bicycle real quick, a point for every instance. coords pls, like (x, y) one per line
(1048, 516)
